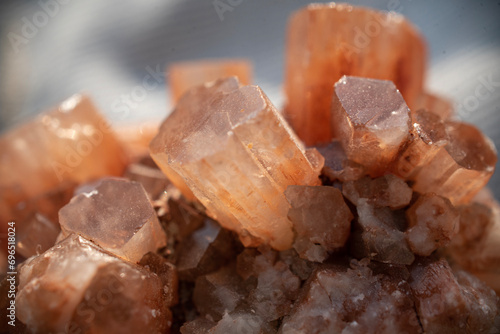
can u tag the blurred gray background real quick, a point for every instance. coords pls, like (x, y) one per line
(51, 49)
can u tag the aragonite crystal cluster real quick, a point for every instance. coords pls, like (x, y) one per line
(368, 214)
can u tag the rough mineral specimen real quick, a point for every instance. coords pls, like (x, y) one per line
(327, 41)
(276, 287)
(371, 120)
(448, 303)
(462, 167)
(219, 292)
(433, 221)
(36, 235)
(118, 216)
(147, 173)
(321, 220)
(77, 286)
(476, 247)
(337, 166)
(378, 235)
(167, 273)
(339, 299)
(233, 150)
(387, 190)
(204, 250)
(186, 75)
(428, 137)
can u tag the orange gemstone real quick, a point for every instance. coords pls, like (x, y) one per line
(371, 120)
(230, 146)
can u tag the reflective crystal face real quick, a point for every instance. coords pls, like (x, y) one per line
(460, 168)
(68, 145)
(78, 285)
(372, 121)
(230, 147)
(118, 216)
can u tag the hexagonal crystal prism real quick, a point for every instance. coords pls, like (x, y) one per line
(118, 216)
(327, 41)
(372, 121)
(233, 150)
(461, 168)
(78, 287)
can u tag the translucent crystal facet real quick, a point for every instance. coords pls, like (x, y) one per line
(428, 136)
(78, 285)
(186, 75)
(72, 143)
(462, 167)
(327, 41)
(118, 216)
(372, 121)
(233, 150)
(321, 220)
(36, 235)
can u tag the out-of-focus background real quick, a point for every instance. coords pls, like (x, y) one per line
(51, 49)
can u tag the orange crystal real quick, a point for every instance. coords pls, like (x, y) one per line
(186, 75)
(372, 121)
(327, 41)
(71, 143)
(234, 151)
(461, 168)
(118, 216)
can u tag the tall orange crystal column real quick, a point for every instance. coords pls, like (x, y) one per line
(327, 41)
(234, 151)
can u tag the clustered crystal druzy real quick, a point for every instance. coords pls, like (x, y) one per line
(367, 214)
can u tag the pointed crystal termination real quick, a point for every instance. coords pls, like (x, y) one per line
(186, 75)
(118, 216)
(372, 121)
(461, 168)
(327, 41)
(237, 155)
(428, 136)
(321, 220)
(91, 291)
